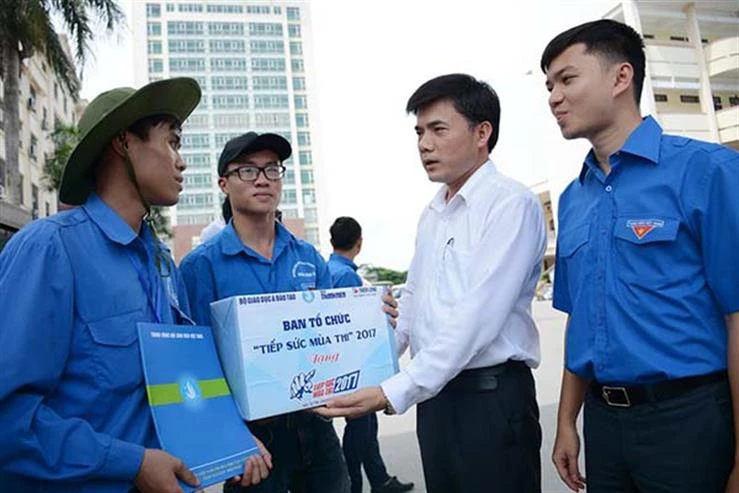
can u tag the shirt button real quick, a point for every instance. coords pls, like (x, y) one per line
(609, 188)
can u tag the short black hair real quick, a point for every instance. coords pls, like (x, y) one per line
(614, 41)
(345, 233)
(141, 128)
(226, 210)
(472, 98)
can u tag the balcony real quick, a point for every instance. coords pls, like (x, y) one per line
(694, 125)
(722, 57)
(672, 65)
(728, 126)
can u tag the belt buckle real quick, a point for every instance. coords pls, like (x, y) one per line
(618, 391)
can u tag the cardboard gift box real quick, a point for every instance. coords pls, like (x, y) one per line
(284, 352)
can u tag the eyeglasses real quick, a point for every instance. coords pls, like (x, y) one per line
(272, 172)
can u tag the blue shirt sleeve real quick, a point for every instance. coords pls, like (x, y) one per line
(712, 194)
(561, 299)
(37, 305)
(199, 284)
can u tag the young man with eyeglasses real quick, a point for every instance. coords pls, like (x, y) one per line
(256, 254)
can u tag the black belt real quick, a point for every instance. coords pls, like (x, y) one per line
(482, 379)
(633, 395)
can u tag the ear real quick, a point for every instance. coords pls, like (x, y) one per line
(482, 134)
(120, 144)
(624, 79)
(222, 184)
(359, 245)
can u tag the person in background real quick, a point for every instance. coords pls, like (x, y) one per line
(360, 444)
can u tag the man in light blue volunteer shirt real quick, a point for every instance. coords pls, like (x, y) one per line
(73, 409)
(256, 254)
(360, 434)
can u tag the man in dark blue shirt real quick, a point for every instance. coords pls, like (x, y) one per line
(360, 434)
(646, 270)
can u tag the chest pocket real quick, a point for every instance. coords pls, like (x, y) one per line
(645, 247)
(572, 248)
(115, 352)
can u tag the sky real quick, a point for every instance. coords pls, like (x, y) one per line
(368, 58)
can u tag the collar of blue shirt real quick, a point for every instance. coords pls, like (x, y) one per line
(231, 243)
(335, 257)
(109, 222)
(643, 142)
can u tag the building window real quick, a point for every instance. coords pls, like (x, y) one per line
(660, 98)
(197, 121)
(225, 9)
(296, 64)
(689, 98)
(277, 10)
(227, 46)
(289, 178)
(187, 65)
(309, 196)
(733, 101)
(304, 138)
(231, 120)
(222, 138)
(265, 29)
(311, 216)
(170, 7)
(198, 180)
(267, 46)
(305, 158)
(33, 147)
(31, 103)
(226, 28)
(34, 201)
(156, 65)
(648, 36)
(289, 197)
(154, 28)
(195, 141)
(155, 47)
(47, 209)
(678, 38)
(228, 64)
(270, 101)
(263, 82)
(185, 28)
(298, 83)
(201, 160)
(296, 48)
(153, 10)
(301, 102)
(186, 46)
(268, 64)
(306, 177)
(190, 7)
(717, 103)
(195, 201)
(230, 101)
(272, 120)
(293, 30)
(224, 82)
(293, 13)
(301, 120)
(257, 9)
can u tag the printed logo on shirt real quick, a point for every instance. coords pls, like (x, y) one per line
(304, 275)
(642, 227)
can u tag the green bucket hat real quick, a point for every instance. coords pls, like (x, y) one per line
(114, 111)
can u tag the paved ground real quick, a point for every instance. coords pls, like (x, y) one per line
(397, 433)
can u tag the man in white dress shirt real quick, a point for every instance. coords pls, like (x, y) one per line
(466, 308)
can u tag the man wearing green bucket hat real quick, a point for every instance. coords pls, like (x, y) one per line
(73, 408)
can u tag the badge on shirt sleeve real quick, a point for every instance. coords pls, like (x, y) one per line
(304, 275)
(642, 227)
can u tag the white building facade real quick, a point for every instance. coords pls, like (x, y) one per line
(252, 61)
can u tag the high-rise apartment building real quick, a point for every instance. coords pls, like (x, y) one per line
(252, 61)
(45, 102)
